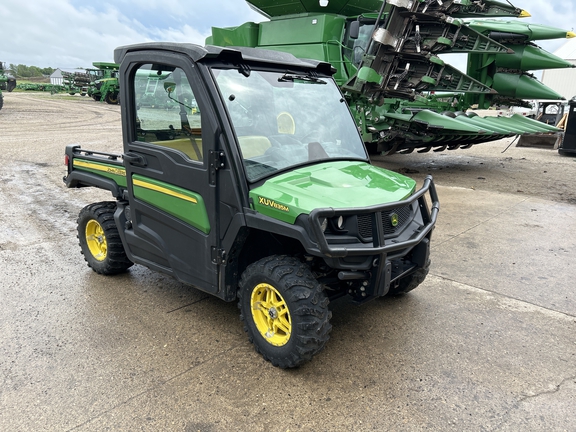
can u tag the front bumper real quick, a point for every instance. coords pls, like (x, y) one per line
(380, 245)
(369, 269)
(374, 263)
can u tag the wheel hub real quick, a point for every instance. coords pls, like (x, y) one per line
(271, 315)
(96, 240)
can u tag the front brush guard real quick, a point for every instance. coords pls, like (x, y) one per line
(379, 245)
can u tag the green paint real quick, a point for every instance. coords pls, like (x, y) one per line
(522, 87)
(331, 184)
(181, 203)
(111, 171)
(530, 31)
(369, 75)
(527, 57)
(341, 7)
(244, 35)
(309, 30)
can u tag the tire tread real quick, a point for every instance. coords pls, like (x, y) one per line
(310, 331)
(116, 260)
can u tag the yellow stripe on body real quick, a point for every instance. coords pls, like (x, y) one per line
(164, 190)
(98, 167)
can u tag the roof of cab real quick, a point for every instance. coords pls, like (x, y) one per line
(232, 54)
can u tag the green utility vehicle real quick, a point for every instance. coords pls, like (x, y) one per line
(260, 191)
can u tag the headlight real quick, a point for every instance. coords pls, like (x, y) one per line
(340, 222)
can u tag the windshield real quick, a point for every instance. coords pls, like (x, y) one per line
(354, 49)
(287, 119)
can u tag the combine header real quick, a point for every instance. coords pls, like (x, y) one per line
(402, 94)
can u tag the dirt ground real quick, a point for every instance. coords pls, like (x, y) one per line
(485, 343)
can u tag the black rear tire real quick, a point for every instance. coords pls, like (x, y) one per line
(100, 240)
(285, 311)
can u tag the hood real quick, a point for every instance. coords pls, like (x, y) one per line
(329, 185)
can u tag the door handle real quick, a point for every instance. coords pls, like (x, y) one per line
(135, 159)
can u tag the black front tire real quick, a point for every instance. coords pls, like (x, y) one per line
(100, 240)
(284, 310)
(111, 98)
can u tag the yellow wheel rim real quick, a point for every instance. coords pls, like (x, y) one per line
(96, 240)
(271, 315)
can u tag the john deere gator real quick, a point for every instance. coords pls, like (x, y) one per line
(402, 94)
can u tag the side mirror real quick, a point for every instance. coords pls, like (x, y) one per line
(354, 29)
(169, 87)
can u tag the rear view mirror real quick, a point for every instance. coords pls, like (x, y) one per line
(354, 29)
(169, 87)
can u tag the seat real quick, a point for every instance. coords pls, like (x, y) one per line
(253, 145)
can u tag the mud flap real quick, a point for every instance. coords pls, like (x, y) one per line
(384, 280)
(421, 253)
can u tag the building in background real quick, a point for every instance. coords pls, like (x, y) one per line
(563, 81)
(57, 78)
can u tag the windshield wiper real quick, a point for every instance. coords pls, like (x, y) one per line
(307, 78)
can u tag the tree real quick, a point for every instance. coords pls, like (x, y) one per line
(24, 71)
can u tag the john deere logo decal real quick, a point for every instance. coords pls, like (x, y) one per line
(394, 219)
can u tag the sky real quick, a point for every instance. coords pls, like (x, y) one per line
(75, 33)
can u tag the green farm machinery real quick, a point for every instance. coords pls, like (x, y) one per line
(104, 84)
(42, 87)
(403, 96)
(76, 82)
(7, 82)
(99, 83)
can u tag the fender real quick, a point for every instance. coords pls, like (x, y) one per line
(78, 179)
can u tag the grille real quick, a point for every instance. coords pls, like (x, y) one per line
(365, 222)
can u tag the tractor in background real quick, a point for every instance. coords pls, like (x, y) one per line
(104, 85)
(7, 82)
